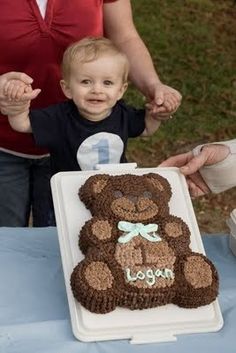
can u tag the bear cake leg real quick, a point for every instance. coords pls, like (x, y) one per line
(93, 285)
(197, 281)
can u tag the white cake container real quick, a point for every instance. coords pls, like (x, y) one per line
(140, 326)
(232, 226)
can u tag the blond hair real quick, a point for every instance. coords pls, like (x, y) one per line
(89, 49)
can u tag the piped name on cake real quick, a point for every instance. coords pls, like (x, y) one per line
(150, 276)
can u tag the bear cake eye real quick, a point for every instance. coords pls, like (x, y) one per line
(147, 194)
(117, 194)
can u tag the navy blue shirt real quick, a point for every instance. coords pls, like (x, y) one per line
(76, 143)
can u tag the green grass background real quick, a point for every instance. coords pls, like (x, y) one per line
(193, 46)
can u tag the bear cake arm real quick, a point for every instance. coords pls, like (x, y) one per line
(96, 233)
(176, 232)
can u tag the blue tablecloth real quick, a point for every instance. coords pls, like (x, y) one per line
(34, 314)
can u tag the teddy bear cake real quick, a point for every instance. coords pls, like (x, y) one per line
(136, 254)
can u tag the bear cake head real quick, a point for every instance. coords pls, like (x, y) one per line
(137, 254)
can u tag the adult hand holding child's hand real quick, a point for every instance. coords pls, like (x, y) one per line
(16, 92)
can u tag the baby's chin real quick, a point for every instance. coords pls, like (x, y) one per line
(95, 114)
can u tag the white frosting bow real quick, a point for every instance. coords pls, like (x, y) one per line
(134, 229)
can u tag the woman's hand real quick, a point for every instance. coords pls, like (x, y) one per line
(14, 102)
(190, 165)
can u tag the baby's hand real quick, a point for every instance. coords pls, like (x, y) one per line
(15, 90)
(165, 100)
(165, 115)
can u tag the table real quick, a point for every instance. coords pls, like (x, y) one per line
(34, 316)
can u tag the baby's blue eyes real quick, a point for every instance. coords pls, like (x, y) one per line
(86, 82)
(106, 82)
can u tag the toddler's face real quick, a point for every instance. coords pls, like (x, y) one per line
(96, 86)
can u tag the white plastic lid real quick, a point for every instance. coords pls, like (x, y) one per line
(231, 222)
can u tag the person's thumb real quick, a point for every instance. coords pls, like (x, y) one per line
(35, 93)
(30, 94)
(194, 164)
(159, 98)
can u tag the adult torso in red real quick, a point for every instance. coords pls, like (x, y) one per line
(31, 44)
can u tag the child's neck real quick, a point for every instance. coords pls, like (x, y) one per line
(95, 117)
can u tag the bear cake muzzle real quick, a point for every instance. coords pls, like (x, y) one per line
(137, 255)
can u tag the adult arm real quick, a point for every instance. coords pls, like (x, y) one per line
(119, 27)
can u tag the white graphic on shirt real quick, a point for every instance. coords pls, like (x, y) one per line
(101, 148)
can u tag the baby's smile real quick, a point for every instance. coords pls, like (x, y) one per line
(95, 101)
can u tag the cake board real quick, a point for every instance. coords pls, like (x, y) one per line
(140, 326)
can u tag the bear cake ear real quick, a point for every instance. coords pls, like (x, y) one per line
(93, 186)
(160, 184)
